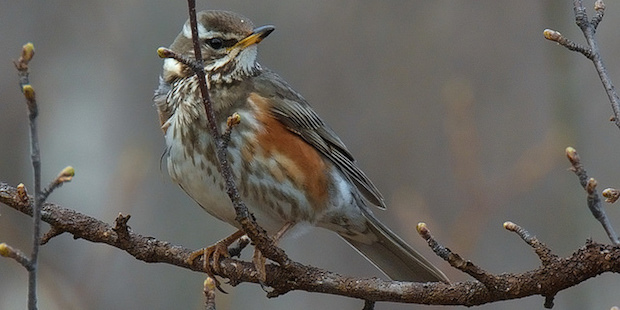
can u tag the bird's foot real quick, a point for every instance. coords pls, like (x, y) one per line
(212, 256)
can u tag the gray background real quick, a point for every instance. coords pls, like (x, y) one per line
(458, 110)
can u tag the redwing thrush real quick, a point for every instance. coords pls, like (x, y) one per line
(290, 167)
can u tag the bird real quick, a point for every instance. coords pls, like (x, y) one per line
(290, 167)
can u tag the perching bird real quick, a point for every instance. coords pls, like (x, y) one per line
(289, 166)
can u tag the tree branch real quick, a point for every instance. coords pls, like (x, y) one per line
(586, 262)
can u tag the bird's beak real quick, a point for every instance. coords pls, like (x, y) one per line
(257, 35)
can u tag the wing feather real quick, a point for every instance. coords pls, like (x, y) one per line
(297, 115)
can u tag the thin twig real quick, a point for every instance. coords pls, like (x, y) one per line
(589, 31)
(24, 82)
(594, 201)
(455, 260)
(8, 251)
(231, 122)
(549, 301)
(187, 61)
(593, 53)
(544, 253)
(66, 175)
(209, 291)
(53, 232)
(369, 305)
(200, 73)
(40, 195)
(556, 36)
(599, 12)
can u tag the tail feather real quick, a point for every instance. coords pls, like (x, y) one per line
(390, 254)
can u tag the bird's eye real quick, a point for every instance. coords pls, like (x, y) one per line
(215, 43)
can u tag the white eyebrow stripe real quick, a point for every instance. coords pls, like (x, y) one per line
(202, 32)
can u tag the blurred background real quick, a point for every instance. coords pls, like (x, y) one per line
(459, 111)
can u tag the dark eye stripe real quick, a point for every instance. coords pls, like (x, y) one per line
(218, 43)
(229, 43)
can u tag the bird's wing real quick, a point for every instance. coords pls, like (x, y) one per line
(297, 115)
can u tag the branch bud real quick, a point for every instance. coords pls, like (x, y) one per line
(572, 155)
(163, 52)
(510, 226)
(22, 194)
(552, 35)
(4, 249)
(28, 91)
(611, 194)
(591, 186)
(66, 175)
(233, 120)
(423, 230)
(209, 284)
(27, 52)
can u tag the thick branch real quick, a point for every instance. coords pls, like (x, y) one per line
(587, 262)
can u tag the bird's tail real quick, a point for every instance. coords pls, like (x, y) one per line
(393, 256)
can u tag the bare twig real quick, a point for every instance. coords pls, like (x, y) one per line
(231, 122)
(589, 31)
(455, 260)
(594, 201)
(187, 61)
(8, 251)
(544, 253)
(209, 290)
(599, 11)
(66, 175)
(549, 301)
(22, 68)
(53, 232)
(39, 195)
(369, 305)
(556, 36)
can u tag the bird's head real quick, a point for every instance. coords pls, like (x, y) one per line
(228, 45)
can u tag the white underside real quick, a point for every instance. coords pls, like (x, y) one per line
(206, 189)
